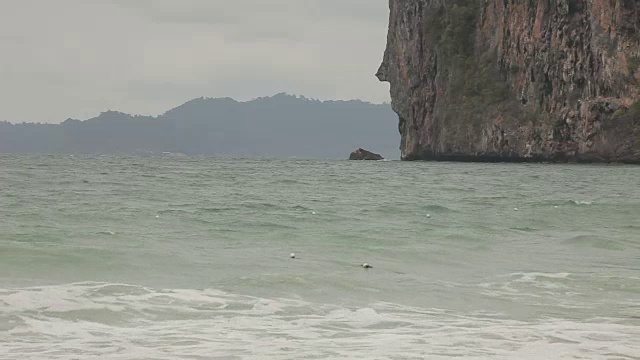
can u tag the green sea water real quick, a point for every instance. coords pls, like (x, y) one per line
(188, 257)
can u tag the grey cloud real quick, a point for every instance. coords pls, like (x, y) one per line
(76, 58)
(245, 20)
(245, 11)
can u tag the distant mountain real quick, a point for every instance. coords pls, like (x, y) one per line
(279, 126)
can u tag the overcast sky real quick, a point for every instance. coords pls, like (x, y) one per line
(76, 58)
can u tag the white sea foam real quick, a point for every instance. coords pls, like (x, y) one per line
(581, 202)
(115, 321)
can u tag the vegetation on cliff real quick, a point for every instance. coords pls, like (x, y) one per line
(472, 76)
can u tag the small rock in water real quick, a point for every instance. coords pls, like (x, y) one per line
(292, 255)
(367, 266)
(362, 154)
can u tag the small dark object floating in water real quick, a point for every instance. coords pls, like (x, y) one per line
(367, 266)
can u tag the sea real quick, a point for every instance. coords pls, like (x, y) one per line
(113, 257)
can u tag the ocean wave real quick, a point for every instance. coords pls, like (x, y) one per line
(289, 182)
(535, 279)
(300, 208)
(525, 229)
(534, 276)
(259, 205)
(596, 241)
(214, 210)
(436, 209)
(534, 289)
(174, 211)
(580, 202)
(120, 321)
(559, 203)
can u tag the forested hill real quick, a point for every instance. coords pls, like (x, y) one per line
(278, 126)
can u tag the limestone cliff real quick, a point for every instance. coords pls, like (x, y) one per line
(516, 80)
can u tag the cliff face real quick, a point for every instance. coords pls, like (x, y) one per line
(525, 80)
